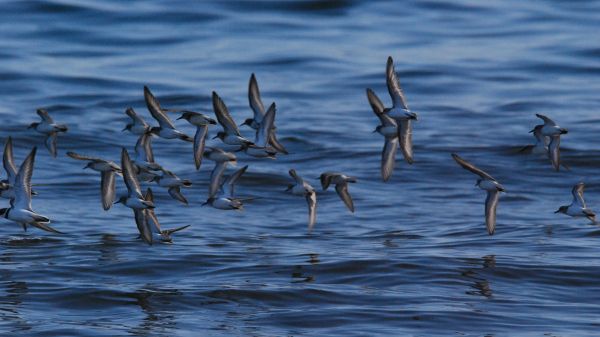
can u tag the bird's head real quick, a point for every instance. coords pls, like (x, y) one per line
(220, 135)
(562, 209)
(121, 200)
(33, 125)
(411, 115)
(248, 122)
(186, 115)
(3, 212)
(127, 127)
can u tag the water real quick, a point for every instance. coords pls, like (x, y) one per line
(415, 258)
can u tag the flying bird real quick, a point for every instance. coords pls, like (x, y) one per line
(148, 225)
(173, 183)
(137, 125)
(134, 198)
(303, 188)
(166, 128)
(231, 133)
(49, 128)
(578, 208)
(225, 198)
(553, 131)
(488, 183)
(222, 159)
(340, 181)
(201, 122)
(107, 170)
(20, 210)
(261, 147)
(259, 112)
(8, 161)
(389, 129)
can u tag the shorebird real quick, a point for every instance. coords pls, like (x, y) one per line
(259, 112)
(230, 134)
(107, 170)
(389, 129)
(173, 183)
(201, 122)
(225, 198)
(222, 159)
(400, 111)
(145, 167)
(20, 210)
(166, 128)
(340, 181)
(134, 198)
(49, 128)
(553, 131)
(541, 142)
(8, 161)
(578, 208)
(488, 183)
(148, 225)
(138, 125)
(302, 188)
(261, 147)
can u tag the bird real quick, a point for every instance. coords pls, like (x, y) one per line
(166, 128)
(138, 125)
(134, 198)
(230, 134)
(389, 129)
(340, 181)
(107, 170)
(259, 112)
(20, 210)
(49, 128)
(552, 130)
(224, 199)
(578, 208)
(222, 159)
(201, 122)
(303, 188)
(541, 142)
(148, 224)
(145, 167)
(8, 161)
(400, 111)
(488, 183)
(173, 183)
(261, 147)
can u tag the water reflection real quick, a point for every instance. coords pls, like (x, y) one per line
(156, 305)
(480, 285)
(14, 292)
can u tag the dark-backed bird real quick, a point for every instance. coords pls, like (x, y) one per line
(340, 181)
(304, 189)
(201, 122)
(225, 198)
(137, 125)
(49, 128)
(487, 183)
(578, 208)
(231, 133)
(107, 170)
(20, 210)
(166, 128)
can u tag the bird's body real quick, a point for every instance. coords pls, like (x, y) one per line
(259, 114)
(137, 125)
(340, 181)
(304, 189)
(48, 127)
(166, 128)
(487, 183)
(134, 198)
(225, 198)
(231, 133)
(107, 170)
(174, 184)
(578, 207)
(553, 131)
(20, 210)
(201, 122)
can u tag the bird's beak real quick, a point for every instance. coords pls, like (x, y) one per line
(564, 131)
(215, 137)
(204, 204)
(374, 131)
(557, 211)
(117, 202)
(180, 117)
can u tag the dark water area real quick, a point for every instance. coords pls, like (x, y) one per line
(415, 258)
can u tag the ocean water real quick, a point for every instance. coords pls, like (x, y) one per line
(415, 258)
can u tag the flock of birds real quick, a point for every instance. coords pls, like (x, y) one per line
(395, 126)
